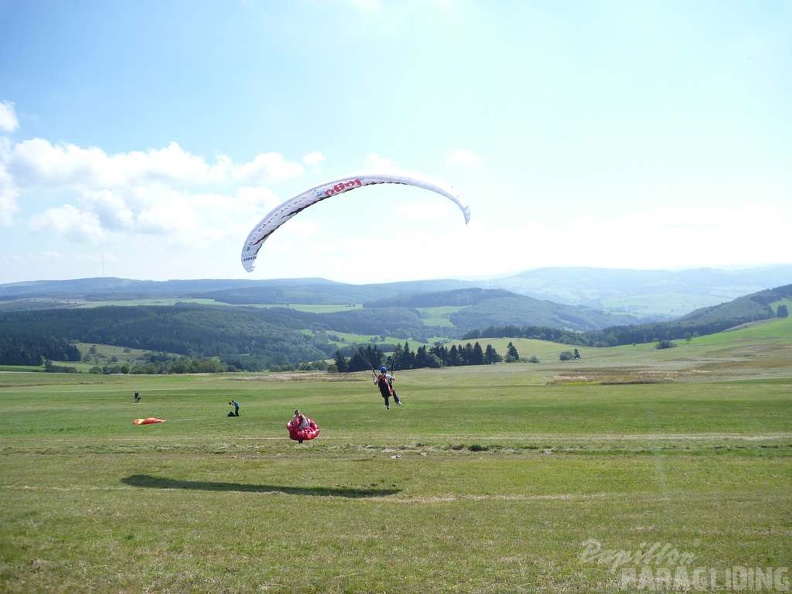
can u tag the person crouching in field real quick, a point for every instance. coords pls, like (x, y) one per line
(300, 420)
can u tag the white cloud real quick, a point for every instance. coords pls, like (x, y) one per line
(68, 220)
(110, 208)
(257, 198)
(313, 158)
(167, 191)
(464, 158)
(8, 118)
(171, 163)
(8, 197)
(267, 167)
(39, 162)
(171, 217)
(381, 164)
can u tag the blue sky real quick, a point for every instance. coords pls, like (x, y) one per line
(144, 139)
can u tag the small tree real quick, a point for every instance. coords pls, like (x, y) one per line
(478, 355)
(512, 355)
(491, 355)
(341, 363)
(782, 311)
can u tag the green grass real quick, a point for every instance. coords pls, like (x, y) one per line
(362, 340)
(438, 317)
(487, 479)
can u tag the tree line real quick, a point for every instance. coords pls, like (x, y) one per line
(403, 357)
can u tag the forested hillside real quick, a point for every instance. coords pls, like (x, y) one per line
(195, 331)
(482, 308)
(708, 320)
(34, 348)
(259, 338)
(517, 309)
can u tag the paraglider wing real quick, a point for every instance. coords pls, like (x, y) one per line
(311, 431)
(293, 206)
(148, 421)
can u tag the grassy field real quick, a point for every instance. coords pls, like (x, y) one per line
(548, 477)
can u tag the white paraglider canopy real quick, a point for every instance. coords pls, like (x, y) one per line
(285, 211)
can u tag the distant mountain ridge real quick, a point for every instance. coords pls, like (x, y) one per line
(667, 293)
(650, 294)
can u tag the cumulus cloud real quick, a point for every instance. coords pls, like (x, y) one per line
(257, 197)
(376, 162)
(267, 167)
(70, 221)
(463, 157)
(8, 118)
(8, 197)
(38, 161)
(167, 190)
(110, 208)
(313, 158)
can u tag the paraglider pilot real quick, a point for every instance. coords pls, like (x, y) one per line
(301, 427)
(235, 412)
(384, 382)
(137, 396)
(300, 419)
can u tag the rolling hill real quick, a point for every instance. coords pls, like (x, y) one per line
(256, 324)
(641, 294)
(283, 335)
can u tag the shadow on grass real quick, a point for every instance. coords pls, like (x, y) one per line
(154, 482)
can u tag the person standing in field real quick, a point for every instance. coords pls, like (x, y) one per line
(235, 404)
(384, 381)
(392, 379)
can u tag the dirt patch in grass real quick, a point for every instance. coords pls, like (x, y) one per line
(615, 377)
